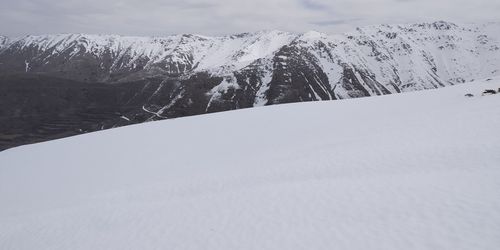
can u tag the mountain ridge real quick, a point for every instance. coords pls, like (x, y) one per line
(148, 78)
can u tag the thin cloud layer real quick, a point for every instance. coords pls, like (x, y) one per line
(216, 17)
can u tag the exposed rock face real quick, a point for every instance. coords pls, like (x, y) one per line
(58, 85)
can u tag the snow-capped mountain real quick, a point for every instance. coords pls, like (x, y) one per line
(442, 53)
(116, 80)
(111, 54)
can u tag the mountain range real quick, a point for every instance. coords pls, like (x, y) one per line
(53, 86)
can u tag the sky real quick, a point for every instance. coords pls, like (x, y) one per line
(219, 17)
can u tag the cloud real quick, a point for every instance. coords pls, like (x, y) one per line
(216, 17)
(313, 4)
(335, 22)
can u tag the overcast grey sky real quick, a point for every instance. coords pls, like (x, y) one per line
(216, 17)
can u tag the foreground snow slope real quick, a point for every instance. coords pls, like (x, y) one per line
(418, 170)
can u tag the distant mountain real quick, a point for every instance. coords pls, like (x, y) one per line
(59, 85)
(105, 58)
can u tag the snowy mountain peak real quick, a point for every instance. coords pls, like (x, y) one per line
(438, 25)
(3, 41)
(314, 35)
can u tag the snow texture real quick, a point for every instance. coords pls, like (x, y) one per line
(417, 170)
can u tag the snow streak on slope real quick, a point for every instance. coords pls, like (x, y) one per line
(3, 42)
(411, 171)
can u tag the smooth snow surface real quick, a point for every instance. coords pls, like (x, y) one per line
(418, 170)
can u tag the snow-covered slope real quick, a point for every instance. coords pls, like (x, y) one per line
(416, 170)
